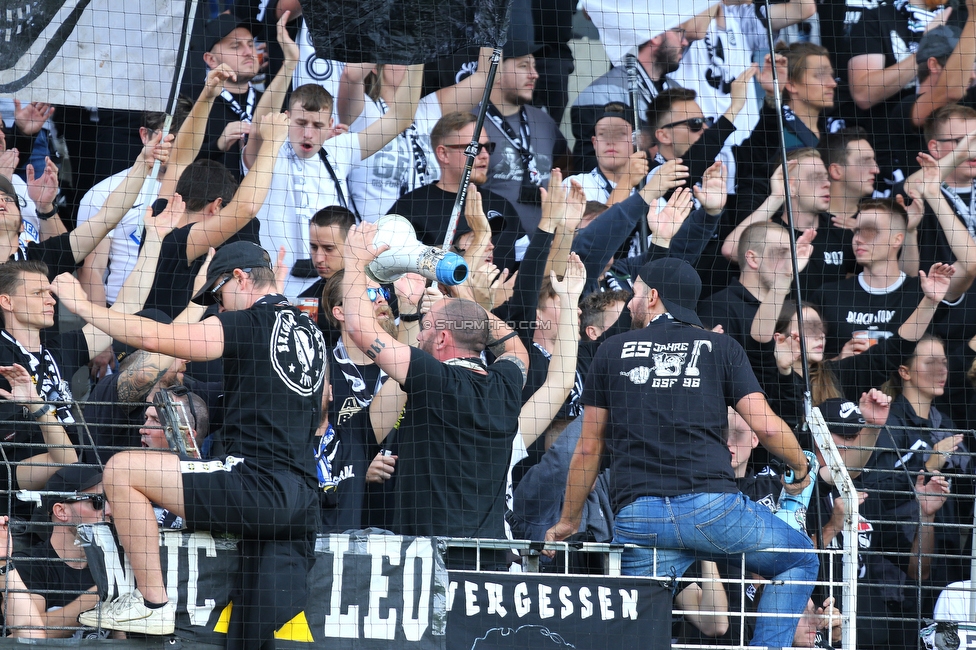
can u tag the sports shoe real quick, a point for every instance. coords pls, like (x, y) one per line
(128, 613)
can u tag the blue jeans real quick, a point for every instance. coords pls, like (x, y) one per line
(708, 526)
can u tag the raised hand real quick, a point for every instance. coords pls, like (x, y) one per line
(637, 168)
(274, 127)
(935, 283)
(31, 118)
(664, 223)
(712, 192)
(575, 207)
(43, 189)
(571, 286)
(739, 92)
(874, 407)
(169, 219)
(915, 209)
(288, 46)
(553, 202)
(69, 291)
(667, 177)
(474, 212)
(22, 388)
(216, 79)
(359, 249)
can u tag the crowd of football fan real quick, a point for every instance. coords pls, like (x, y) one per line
(274, 146)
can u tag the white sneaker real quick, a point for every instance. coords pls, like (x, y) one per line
(129, 613)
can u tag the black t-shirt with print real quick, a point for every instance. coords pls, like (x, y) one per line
(354, 445)
(272, 401)
(173, 285)
(455, 446)
(666, 388)
(833, 255)
(850, 305)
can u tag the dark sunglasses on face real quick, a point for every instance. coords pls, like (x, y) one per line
(482, 146)
(97, 500)
(694, 124)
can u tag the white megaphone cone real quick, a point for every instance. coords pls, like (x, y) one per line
(407, 255)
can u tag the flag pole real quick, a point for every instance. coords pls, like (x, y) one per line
(182, 53)
(471, 152)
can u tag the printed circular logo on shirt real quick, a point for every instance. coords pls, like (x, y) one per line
(297, 352)
(318, 69)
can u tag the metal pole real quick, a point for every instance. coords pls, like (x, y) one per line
(630, 61)
(472, 150)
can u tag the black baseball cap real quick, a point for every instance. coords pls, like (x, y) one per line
(237, 255)
(8, 188)
(218, 28)
(616, 109)
(938, 42)
(67, 481)
(843, 417)
(122, 350)
(678, 286)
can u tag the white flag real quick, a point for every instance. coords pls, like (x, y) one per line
(624, 25)
(117, 54)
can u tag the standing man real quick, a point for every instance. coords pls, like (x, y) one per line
(527, 141)
(263, 487)
(657, 399)
(852, 169)
(461, 418)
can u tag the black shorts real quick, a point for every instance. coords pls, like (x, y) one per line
(232, 496)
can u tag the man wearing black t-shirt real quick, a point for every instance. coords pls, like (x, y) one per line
(831, 259)
(262, 487)
(55, 572)
(454, 441)
(229, 42)
(656, 398)
(429, 208)
(874, 304)
(217, 212)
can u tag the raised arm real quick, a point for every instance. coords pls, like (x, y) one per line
(352, 91)
(542, 407)
(193, 342)
(956, 233)
(765, 211)
(388, 353)
(398, 118)
(467, 93)
(189, 139)
(934, 286)
(85, 237)
(273, 98)
(248, 199)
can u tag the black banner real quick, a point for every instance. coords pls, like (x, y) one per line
(402, 31)
(519, 611)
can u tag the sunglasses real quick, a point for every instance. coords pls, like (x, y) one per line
(374, 294)
(694, 124)
(97, 500)
(215, 292)
(482, 146)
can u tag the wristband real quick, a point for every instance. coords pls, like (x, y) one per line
(6, 568)
(41, 412)
(801, 478)
(44, 216)
(412, 318)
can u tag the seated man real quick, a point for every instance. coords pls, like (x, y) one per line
(55, 572)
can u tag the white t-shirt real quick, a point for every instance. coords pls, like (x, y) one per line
(28, 213)
(313, 70)
(953, 603)
(711, 64)
(125, 237)
(595, 185)
(299, 189)
(377, 182)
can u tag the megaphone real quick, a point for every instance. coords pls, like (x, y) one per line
(407, 255)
